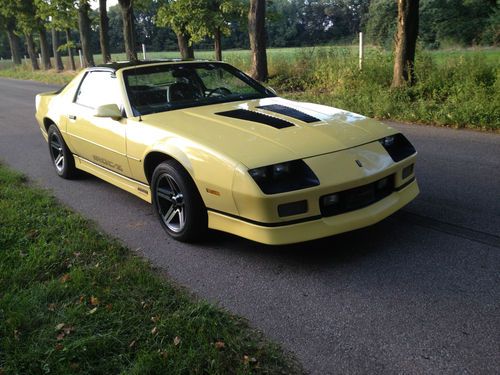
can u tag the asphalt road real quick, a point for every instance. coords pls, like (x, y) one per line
(416, 293)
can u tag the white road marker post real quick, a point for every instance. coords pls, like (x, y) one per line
(40, 58)
(361, 51)
(81, 58)
(143, 51)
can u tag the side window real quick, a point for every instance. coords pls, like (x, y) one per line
(98, 88)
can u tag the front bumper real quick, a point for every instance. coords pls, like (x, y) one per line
(283, 233)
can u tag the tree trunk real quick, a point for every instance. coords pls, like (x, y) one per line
(31, 51)
(70, 51)
(84, 27)
(44, 48)
(217, 45)
(104, 31)
(257, 35)
(406, 41)
(15, 49)
(128, 29)
(55, 46)
(185, 49)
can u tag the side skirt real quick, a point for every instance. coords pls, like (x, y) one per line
(135, 187)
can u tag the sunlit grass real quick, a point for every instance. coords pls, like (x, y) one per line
(73, 300)
(455, 87)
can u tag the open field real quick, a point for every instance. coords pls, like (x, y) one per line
(74, 301)
(457, 87)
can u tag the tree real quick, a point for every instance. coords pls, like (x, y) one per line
(169, 16)
(257, 34)
(55, 49)
(406, 41)
(380, 27)
(63, 17)
(84, 28)
(104, 31)
(201, 19)
(14, 44)
(128, 28)
(30, 44)
(69, 46)
(44, 47)
(23, 12)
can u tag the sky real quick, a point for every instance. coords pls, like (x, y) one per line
(95, 3)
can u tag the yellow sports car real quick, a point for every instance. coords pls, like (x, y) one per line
(210, 147)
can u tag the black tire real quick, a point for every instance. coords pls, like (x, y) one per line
(61, 156)
(177, 202)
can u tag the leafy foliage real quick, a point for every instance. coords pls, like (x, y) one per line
(442, 22)
(200, 18)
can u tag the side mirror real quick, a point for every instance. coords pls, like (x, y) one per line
(108, 110)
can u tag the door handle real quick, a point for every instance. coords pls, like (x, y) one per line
(72, 117)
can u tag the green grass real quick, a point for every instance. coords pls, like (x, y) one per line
(456, 87)
(73, 300)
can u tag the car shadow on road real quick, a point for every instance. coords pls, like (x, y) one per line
(342, 248)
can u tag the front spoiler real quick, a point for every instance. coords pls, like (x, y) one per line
(319, 228)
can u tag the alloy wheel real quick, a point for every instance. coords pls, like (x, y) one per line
(170, 202)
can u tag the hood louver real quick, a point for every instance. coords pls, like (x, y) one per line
(291, 112)
(247, 115)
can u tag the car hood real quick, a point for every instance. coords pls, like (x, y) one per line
(255, 143)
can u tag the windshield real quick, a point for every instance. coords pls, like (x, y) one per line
(153, 89)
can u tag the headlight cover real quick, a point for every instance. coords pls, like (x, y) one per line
(397, 146)
(283, 177)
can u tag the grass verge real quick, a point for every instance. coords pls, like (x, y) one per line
(73, 300)
(455, 88)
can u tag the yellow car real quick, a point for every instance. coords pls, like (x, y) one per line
(210, 147)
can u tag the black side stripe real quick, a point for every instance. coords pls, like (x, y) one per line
(243, 114)
(269, 225)
(288, 111)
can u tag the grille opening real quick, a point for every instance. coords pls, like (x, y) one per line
(356, 198)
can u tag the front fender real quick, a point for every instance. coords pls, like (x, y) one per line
(211, 172)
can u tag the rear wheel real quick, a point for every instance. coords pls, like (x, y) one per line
(177, 202)
(61, 156)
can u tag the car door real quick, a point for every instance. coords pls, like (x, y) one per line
(101, 140)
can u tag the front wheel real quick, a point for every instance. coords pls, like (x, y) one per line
(177, 202)
(61, 156)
